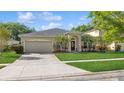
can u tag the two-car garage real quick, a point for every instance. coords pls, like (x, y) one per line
(38, 47)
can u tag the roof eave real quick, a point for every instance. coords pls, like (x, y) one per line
(35, 36)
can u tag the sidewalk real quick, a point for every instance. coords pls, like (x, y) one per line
(4, 64)
(93, 60)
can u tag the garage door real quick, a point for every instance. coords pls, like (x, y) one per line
(38, 46)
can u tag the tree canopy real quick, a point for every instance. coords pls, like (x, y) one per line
(82, 28)
(87, 38)
(4, 37)
(110, 22)
(16, 29)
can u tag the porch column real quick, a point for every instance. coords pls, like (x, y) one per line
(69, 45)
(23, 44)
(79, 43)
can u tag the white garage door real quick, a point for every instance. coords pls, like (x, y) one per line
(38, 46)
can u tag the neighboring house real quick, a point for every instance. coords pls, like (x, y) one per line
(122, 46)
(94, 33)
(13, 42)
(97, 33)
(43, 41)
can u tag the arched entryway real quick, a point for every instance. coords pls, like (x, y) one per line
(74, 41)
(73, 44)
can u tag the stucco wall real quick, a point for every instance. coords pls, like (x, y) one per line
(94, 33)
(111, 46)
(13, 42)
(122, 46)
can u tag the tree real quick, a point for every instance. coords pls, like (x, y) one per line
(62, 42)
(88, 40)
(4, 37)
(82, 28)
(16, 29)
(100, 43)
(111, 23)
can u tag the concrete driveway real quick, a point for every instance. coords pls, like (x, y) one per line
(39, 67)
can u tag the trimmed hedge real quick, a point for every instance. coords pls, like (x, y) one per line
(118, 48)
(17, 48)
(101, 48)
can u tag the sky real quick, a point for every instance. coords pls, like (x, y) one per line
(42, 20)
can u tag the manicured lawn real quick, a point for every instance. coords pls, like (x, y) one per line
(99, 66)
(2, 67)
(8, 57)
(89, 55)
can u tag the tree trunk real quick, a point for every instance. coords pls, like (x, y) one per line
(1, 46)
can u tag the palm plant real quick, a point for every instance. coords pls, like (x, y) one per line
(88, 40)
(101, 44)
(62, 42)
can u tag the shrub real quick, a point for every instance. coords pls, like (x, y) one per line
(7, 48)
(118, 48)
(100, 48)
(17, 48)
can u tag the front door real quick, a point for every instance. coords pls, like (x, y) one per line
(72, 45)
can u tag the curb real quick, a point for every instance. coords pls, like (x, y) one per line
(75, 77)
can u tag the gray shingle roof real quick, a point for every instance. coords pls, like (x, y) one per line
(48, 33)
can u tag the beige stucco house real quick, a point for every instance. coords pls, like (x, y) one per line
(43, 41)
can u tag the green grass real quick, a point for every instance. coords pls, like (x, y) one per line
(99, 66)
(89, 55)
(8, 57)
(2, 67)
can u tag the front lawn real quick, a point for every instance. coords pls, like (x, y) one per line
(2, 67)
(99, 66)
(89, 55)
(8, 57)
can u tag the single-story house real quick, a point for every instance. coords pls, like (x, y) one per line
(43, 41)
